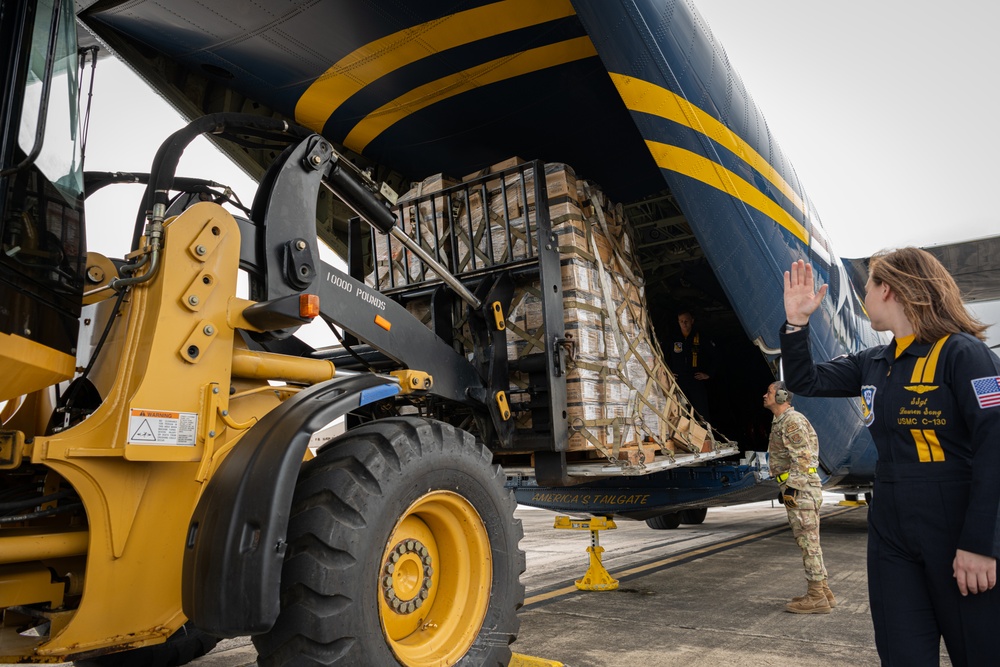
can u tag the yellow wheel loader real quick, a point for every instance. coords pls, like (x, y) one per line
(160, 482)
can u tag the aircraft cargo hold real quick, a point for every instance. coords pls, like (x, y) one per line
(623, 403)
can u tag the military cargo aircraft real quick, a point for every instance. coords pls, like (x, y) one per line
(636, 95)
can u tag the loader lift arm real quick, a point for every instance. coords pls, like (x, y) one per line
(279, 246)
(235, 544)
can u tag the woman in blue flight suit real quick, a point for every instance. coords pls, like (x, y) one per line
(931, 400)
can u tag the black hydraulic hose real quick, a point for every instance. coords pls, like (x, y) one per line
(169, 154)
(36, 515)
(350, 350)
(74, 388)
(95, 180)
(31, 502)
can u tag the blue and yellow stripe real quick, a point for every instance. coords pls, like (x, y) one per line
(733, 166)
(375, 60)
(421, 97)
(926, 440)
(647, 98)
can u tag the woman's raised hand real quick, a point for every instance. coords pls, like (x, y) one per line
(801, 299)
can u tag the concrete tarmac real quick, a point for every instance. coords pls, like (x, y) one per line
(704, 596)
(697, 596)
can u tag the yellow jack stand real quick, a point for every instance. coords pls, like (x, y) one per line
(853, 500)
(597, 578)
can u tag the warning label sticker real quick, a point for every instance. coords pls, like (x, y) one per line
(162, 427)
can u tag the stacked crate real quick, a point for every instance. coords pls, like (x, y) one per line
(623, 402)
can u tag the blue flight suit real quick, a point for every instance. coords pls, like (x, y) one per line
(687, 356)
(937, 487)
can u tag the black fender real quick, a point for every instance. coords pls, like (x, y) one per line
(236, 539)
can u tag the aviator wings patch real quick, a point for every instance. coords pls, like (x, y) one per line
(920, 388)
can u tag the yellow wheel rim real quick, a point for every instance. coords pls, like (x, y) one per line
(434, 580)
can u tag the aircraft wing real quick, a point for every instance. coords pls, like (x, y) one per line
(975, 266)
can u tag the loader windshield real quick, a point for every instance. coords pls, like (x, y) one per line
(60, 157)
(42, 239)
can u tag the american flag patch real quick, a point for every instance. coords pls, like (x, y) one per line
(987, 391)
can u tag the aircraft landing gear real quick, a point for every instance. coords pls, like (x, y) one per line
(664, 521)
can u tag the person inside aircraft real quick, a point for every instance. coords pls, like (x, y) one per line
(692, 359)
(931, 401)
(793, 452)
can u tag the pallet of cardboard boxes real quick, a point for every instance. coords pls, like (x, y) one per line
(623, 402)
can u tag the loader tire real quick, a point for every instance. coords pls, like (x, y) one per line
(185, 645)
(394, 512)
(694, 516)
(664, 521)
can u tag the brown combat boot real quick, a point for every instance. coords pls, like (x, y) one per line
(826, 591)
(814, 601)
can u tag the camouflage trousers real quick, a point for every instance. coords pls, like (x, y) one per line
(804, 521)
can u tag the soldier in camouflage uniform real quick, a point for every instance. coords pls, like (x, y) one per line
(793, 450)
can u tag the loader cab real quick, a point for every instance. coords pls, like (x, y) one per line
(41, 194)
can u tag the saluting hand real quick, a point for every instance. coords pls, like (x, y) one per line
(974, 572)
(801, 300)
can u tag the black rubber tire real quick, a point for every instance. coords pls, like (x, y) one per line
(695, 516)
(180, 648)
(347, 503)
(664, 521)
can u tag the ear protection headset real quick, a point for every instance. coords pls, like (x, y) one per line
(781, 394)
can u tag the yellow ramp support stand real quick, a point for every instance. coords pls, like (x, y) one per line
(597, 578)
(853, 501)
(518, 660)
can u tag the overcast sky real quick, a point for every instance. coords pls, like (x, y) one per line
(886, 108)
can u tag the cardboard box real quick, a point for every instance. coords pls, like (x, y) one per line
(631, 453)
(690, 436)
(494, 168)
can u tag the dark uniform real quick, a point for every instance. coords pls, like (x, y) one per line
(934, 414)
(688, 355)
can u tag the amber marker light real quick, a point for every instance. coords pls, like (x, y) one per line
(308, 305)
(382, 322)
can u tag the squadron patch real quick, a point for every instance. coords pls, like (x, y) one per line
(868, 403)
(678, 347)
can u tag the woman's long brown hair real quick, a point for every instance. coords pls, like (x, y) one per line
(931, 300)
